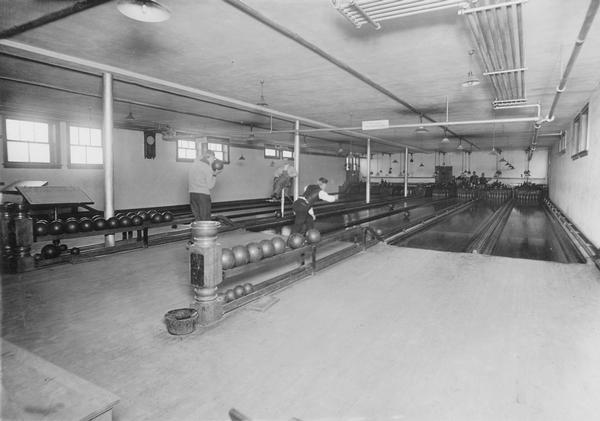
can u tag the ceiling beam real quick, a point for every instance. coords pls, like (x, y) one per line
(51, 17)
(240, 5)
(149, 82)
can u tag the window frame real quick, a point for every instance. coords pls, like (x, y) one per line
(177, 158)
(224, 141)
(290, 150)
(53, 144)
(579, 148)
(79, 166)
(276, 155)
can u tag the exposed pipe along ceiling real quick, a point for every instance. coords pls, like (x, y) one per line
(496, 29)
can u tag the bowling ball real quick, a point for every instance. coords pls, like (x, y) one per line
(379, 231)
(267, 248)
(112, 222)
(50, 251)
(40, 228)
(229, 295)
(63, 247)
(37, 257)
(240, 255)
(227, 259)
(286, 231)
(295, 240)
(217, 165)
(55, 227)
(156, 218)
(145, 216)
(278, 245)
(313, 236)
(86, 225)
(248, 288)
(167, 216)
(100, 224)
(71, 226)
(124, 221)
(255, 252)
(75, 251)
(137, 220)
(239, 291)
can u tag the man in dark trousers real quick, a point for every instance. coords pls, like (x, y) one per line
(303, 206)
(201, 179)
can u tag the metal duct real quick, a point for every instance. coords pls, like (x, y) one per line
(375, 11)
(497, 29)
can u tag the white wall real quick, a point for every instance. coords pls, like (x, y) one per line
(574, 183)
(480, 162)
(141, 182)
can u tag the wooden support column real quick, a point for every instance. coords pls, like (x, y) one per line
(296, 159)
(368, 198)
(405, 172)
(107, 136)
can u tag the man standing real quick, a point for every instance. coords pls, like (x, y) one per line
(201, 179)
(304, 213)
(282, 180)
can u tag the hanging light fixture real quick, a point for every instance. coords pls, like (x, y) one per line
(262, 101)
(411, 158)
(471, 79)
(460, 147)
(421, 129)
(272, 163)
(130, 115)
(241, 158)
(144, 10)
(445, 138)
(421, 165)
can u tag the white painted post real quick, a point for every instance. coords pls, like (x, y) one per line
(107, 134)
(297, 160)
(405, 172)
(368, 198)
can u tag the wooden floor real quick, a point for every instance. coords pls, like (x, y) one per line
(392, 334)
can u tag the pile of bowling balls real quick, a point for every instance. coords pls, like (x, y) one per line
(238, 292)
(251, 252)
(52, 251)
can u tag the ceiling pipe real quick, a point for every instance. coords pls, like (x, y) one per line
(585, 27)
(50, 17)
(435, 124)
(149, 82)
(238, 4)
(587, 23)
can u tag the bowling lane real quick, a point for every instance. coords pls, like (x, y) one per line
(529, 234)
(338, 221)
(453, 233)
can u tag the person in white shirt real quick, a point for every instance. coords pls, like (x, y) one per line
(282, 179)
(303, 206)
(201, 179)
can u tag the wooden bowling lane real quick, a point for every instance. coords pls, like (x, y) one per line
(530, 234)
(453, 233)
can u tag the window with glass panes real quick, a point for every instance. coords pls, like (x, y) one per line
(85, 146)
(287, 154)
(186, 150)
(271, 152)
(580, 134)
(219, 146)
(27, 141)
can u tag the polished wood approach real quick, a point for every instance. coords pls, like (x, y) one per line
(393, 333)
(34, 389)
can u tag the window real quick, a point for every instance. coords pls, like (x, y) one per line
(562, 143)
(287, 154)
(28, 142)
(219, 146)
(85, 146)
(580, 134)
(271, 152)
(186, 150)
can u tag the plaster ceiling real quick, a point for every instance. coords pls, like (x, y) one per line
(212, 46)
